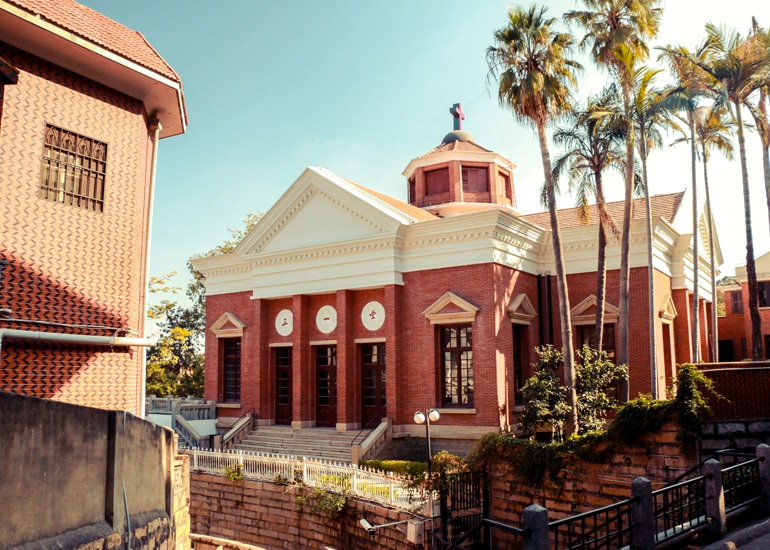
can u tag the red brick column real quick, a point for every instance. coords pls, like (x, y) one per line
(261, 383)
(303, 390)
(348, 410)
(394, 350)
(682, 331)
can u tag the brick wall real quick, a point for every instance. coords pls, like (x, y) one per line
(265, 514)
(745, 387)
(66, 264)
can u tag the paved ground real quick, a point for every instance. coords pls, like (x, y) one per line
(753, 537)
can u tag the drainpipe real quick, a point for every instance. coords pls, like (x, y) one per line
(59, 338)
(155, 127)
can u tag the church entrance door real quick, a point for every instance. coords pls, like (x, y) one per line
(326, 386)
(372, 384)
(283, 386)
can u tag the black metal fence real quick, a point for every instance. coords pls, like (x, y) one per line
(679, 508)
(742, 484)
(607, 527)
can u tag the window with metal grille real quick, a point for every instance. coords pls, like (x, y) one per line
(457, 365)
(475, 179)
(74, 169)
(737, 301)
(231, 371)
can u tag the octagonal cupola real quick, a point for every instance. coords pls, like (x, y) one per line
(459, 176)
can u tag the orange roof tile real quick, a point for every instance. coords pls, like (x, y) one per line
(663, 206)
(457, 146)
(99, 29)
(410, 210)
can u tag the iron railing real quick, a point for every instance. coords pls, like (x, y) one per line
(515, 534)
(607, 527)
(679, 508)
(742, 484)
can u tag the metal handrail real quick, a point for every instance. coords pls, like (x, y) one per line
(476, 528)
(374, 421)
(595, 511)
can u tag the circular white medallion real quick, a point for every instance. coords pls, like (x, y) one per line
(326, 319)
(284, 322)
(373, 315)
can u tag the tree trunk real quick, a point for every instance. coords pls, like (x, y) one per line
(751, 268)
(601, 261)
(561, 280)
(714, 328)
(650, 273)
(695, 259)
(625, 248)
(765, 144)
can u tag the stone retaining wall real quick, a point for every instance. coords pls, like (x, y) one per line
(266, 514)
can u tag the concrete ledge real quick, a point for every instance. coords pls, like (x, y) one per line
(739, 539)
(205, 542)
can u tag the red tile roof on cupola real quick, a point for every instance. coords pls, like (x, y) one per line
(662, 206)
(457, 146)
(99, 29)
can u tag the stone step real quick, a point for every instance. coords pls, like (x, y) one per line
(327, 444)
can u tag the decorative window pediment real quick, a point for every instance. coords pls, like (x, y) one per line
(521, 311)
(585, 312)
(668, 311)
(450, 309)
(228, 326)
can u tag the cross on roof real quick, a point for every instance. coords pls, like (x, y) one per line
(457, 113)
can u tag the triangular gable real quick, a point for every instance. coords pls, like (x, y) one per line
(585, 312)
(320, 208)
(450, 309)
(668, 311)
(228, 326)
(521, 311)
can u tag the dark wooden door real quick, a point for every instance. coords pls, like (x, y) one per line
(283, 387)
(326, 386)
(373, 405)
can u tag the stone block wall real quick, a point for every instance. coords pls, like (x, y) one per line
(266, 514)
(586, 486)
(742, 435)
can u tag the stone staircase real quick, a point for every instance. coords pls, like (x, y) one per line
(323, 443)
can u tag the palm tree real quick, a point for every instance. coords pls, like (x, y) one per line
(712, 132)
(649, 115)
(592, 145)
(690, 88)
(529, 61)
(740, 67)
(612, 26)
(759, 111)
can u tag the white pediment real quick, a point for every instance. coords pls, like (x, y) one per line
(521, 311)
(668, 311)
(585, 312)
(320, 209)
(228, 325)
(450, 309)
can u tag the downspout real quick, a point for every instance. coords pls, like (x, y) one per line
(155, 127)
(85, 339)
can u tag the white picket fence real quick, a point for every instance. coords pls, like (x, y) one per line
(374, 485)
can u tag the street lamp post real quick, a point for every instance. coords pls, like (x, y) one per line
(420, 417)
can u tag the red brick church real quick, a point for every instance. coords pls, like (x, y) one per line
(344, 305)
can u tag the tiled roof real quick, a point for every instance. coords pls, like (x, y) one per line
(417, 213)
(99, 29)
(663, 206)
(457, 146)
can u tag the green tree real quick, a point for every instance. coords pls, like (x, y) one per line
(529, 60)
(616, 31)
(592, 145)
(691, 87)
(739, 67)
(712, 132)
(175, 365)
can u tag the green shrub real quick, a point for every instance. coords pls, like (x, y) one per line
(234, 472)
(402, 467)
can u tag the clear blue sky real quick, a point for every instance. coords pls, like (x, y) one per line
(361, 88)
